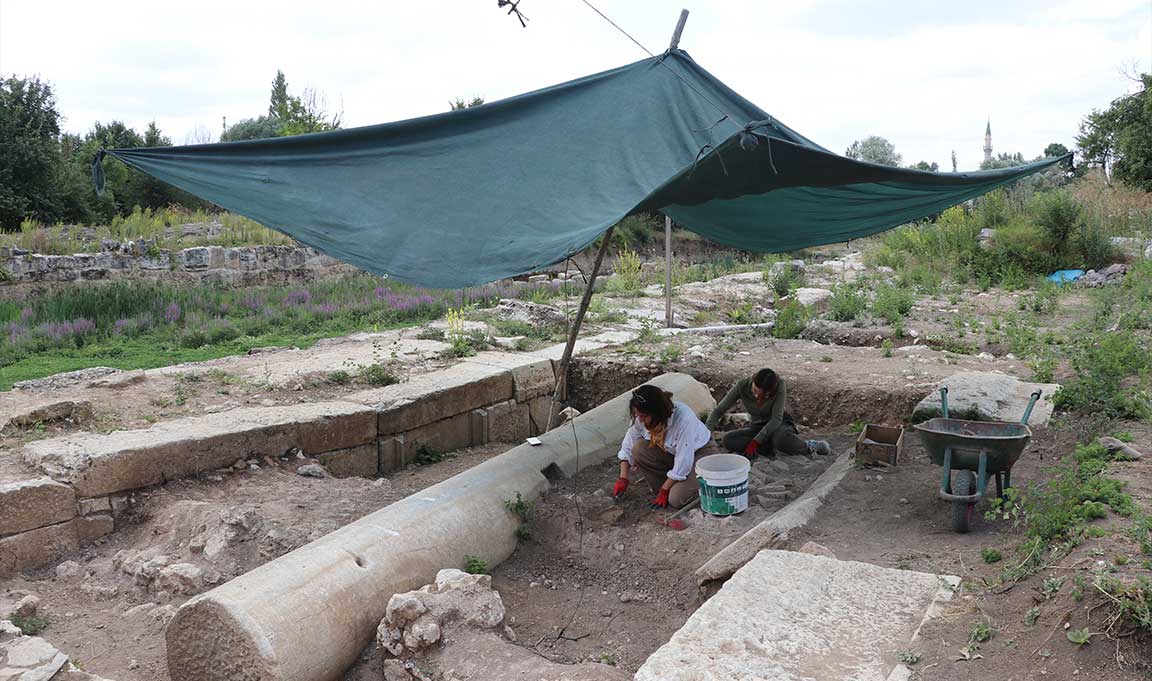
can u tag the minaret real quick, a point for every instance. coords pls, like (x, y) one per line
(988, 142)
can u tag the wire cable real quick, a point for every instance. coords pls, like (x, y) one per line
(605, 17)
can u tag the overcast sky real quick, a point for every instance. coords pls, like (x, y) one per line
(925, 74)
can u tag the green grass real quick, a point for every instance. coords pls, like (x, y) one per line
(146, 353)
(136, 325)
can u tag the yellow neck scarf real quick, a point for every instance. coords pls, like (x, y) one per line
(657, 434)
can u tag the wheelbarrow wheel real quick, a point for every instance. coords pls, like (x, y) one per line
(963, 482)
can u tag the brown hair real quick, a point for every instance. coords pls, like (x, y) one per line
(650, 400)
(766, 380)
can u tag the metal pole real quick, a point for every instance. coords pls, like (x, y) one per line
(562, 370)
(668, 271)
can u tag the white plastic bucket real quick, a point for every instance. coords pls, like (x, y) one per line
(723, 480)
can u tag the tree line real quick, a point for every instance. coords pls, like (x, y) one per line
(46, 173)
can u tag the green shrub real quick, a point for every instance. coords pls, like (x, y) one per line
(892, 304)
(1102, 364)
(520, 507)
(458, 347)
(991, 555)
(785, 280)
(980, 633)
(376, 374)
(629, 273)
(475, 565)
(1059, 215)
(1096, 249)
(193, 338)
(427, 455)
(791, 320)
(846, 304)
(431, 334)
(29, 625)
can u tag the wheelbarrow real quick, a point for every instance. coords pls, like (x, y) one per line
(970, 451)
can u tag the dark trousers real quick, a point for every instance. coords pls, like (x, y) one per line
(784, 440)
(654, 464)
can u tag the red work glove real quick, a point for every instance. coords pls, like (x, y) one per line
(661, 500)
(750, 450)
(620, 487)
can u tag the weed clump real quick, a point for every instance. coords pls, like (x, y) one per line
(475, 565)
(791, 320)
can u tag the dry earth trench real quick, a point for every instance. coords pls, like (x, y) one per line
(595, 585)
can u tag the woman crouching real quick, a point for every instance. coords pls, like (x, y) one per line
(664, 442)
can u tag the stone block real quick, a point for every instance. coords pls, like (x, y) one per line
(92, 527)
(815, 298)
(445, 435)
(989, 396)
(101, 464)
(508, 421)
(538, 414)
(30, 658)
(437, 396)
(788, 615)
(193, 258)
(37, 548)
(29, 504)
(76, 410)
(480, 425)
(340, 429)
(97, 505)
(362, 461)
(391, 451)
(533, 380)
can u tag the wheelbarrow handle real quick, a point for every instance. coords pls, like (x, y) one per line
(944, 400)
(1031, 403)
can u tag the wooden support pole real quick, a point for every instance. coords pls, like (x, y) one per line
(668, 271)
(679, 29)
(562, 370)
(667, 220)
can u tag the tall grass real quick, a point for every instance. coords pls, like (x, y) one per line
(139, 324)
(163, 226)
(1050, 231)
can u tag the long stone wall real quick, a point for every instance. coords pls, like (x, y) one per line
(88, 479)
(241, 266)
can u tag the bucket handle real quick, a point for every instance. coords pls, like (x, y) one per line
(944, 400)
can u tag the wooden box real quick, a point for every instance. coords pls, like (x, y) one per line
(879, 444)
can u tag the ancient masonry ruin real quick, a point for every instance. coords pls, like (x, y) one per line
(88, 479)
(241, 266)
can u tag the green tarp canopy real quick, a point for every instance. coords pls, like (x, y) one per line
(471, 196)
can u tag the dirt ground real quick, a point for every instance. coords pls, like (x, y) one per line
(109, 614)
(606, 581)
(895, 519)
(598, 581)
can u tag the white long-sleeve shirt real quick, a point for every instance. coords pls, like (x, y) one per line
(684, 434)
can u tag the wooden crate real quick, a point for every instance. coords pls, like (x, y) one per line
(879, 444)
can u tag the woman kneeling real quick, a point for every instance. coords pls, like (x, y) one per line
(664, 442)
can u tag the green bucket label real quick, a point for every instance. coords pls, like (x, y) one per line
(723, 500)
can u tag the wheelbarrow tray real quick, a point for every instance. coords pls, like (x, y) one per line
(1003, 441)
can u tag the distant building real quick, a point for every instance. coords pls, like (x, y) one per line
(988, 142)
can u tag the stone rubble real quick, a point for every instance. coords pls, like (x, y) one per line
(1113, 274)
(417, 619)
(530, 313)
